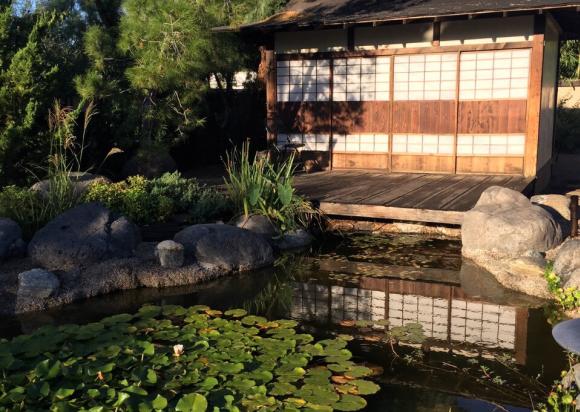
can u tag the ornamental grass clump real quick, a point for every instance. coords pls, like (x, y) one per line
(173, 358)
(262, 186)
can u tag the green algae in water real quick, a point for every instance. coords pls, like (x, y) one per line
(171, 358)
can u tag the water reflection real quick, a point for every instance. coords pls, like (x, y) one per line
(484, 346)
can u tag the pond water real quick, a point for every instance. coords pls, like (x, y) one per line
(485, 348)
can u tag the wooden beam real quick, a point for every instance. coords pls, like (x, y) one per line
(533, 109)
(269, 64)
(436, 33)
(404, 51)
(392, 213)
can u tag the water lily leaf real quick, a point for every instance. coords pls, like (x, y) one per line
(48, 370)
(151, 377)
(208, 383)
(282, 388)
(363, 387)
(136, 390)
(236, 313)
(159, 403)
(63, 393)
(149, 311)
(350, 403)
(121, 399)
(193, 402)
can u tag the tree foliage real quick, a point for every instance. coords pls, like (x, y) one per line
(570, 59)
(146, 64)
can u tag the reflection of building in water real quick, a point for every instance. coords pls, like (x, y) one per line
(448, 317)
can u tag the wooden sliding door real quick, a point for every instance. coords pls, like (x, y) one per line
(444, 112)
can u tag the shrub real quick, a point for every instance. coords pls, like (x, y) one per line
(568, 128)
(149, 201)
(262, 186)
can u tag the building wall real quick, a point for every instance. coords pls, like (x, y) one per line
(393, 102)
(548, 98)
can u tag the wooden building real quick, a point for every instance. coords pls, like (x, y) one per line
(437, 86)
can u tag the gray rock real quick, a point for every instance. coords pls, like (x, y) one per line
(568, 257)
(82, 236)
(171, 254)
(37, 284)
(80, 183)
(225, 247)
(558, 205)
(11, 242)
(296, 239)
(572, 280)
(258, 224)
(504, 223)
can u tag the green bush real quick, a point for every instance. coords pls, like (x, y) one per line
(32, 210)
(150, 201)
(568, 128)
(262, 186)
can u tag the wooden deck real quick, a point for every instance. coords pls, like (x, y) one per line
(428, 198)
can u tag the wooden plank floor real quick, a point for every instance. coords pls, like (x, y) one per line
(434, 198)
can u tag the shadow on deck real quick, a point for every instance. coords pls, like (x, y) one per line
(427, 198)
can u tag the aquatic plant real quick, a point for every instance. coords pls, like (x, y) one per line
(565, 299)
(173, 358)
(265, 187)
(565, 394)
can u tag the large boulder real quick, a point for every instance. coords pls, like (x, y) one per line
(567, 262)
(80, 183)
(296, 239)
(82, 236)
(558, 205)
(225, 247)
(10, 238)
(258, 224)
(504, 223)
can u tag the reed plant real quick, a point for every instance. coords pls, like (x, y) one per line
(262, 186)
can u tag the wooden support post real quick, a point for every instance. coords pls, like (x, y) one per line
(574, 216)
(269, 66)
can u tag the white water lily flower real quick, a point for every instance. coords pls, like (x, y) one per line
(178, 350)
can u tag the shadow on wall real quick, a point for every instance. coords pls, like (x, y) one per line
(568, 128)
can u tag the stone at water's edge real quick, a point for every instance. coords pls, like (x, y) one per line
(505, 224)
(171, 254)
(567, 263)
(11, 241)
(225, 247)
(34, 286)
(80, 183)
(296, 239)
(82, 236)
(258, 224)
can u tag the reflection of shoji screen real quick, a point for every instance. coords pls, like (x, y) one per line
(425, 77)
(475, 322)
(491, 145)
(501, 74)
(431, 313)
(306, 142)
(303, 80)
(369, 143)
(423, 144)
(361, 79)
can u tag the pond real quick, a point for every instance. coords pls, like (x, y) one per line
(485, 348)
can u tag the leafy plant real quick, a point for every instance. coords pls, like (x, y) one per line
(149, 201)
(565, 299)
(262, 186)
(180, 359)
(565, 394)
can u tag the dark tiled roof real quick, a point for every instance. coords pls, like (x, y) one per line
(330, 12)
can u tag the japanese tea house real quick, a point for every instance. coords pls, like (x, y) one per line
(464, 91)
